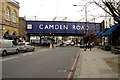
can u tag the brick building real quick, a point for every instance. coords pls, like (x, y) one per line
(9, 20)
(22, 29)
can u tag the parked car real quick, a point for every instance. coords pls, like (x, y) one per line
(22, 46)
(100, 45)
(68, 43)
(26, 46)
(82, 46)
(62, 43)
(72, 43)
(8, 47)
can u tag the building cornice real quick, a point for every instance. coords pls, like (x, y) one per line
(10, 25)
(13, 2)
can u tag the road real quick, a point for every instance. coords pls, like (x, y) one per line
(43, 63)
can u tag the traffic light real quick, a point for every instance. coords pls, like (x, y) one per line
(22, 34)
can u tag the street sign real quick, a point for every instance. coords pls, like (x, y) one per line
(62, 27)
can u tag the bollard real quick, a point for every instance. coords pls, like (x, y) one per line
(50, 45)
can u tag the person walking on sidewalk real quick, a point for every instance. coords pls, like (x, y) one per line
(89, 45)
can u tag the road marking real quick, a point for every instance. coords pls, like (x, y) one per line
(69, 75)
(65, 70)
(72, 59)
(62, 71)
(23, 54)
(9, 58)
(75, 61)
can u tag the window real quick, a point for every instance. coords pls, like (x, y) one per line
(14, 17)
(110, 22)
(14, 43)
(7, 32)
(21, 44)
(14, 33)
(7, 14)
(29, 44)
(106, 24)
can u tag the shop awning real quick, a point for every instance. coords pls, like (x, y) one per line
(100, 33)
(110, 30)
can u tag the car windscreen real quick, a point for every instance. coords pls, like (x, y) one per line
(28, 43)
(21, 44)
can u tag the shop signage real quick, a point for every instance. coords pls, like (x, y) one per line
(56, 27)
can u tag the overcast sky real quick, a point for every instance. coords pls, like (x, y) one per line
(49, 9)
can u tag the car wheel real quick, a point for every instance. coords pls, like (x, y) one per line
(28, 50)
(4, 53)
(17, 51)
(33, 49)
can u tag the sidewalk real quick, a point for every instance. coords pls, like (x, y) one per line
(92, 65)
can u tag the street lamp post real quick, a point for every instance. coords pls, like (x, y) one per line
(0, 31)
(85, 11)
(85, 7)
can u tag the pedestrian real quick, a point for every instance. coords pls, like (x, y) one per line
(91, 46)
(87, 45)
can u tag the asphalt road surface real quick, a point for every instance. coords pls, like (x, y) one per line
(43, 63)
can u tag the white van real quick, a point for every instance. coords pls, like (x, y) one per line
(7, 47)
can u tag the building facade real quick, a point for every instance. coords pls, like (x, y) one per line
(109, 20)
(22, 29)
(111, 37)
(9, 20)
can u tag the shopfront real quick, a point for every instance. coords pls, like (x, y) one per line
(111, 37)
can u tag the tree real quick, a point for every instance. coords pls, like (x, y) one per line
(113, 7)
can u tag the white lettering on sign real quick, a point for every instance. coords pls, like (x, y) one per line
(41, 26)
(65, 26)
(82, 28)
(51, 26)
(61, 27)
(78, 27)
(87, 28)
(74, 27)
(56, 26)
(46, 27)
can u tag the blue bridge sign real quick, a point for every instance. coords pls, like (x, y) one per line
(62, 27)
